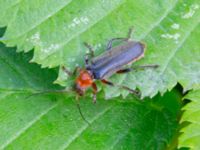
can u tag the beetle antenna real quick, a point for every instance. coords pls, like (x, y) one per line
(79, 109)
(153, 66)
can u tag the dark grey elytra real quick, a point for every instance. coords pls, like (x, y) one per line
(115, 59)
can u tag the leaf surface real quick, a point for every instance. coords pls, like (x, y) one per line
(57, 30)
(52, 121)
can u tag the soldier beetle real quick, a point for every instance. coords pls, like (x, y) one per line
(101, 67)
(108, 63)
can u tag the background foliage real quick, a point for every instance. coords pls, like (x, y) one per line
(53, 121)
(191, 135)
(56, 31)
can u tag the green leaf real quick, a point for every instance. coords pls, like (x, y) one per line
(190, 136)
(52, 121)
(57, 30)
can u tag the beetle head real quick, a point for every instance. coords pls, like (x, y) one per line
(83, 81)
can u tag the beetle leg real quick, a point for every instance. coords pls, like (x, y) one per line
(69, 73)
(109, 45)
(107, 82)
(94, 87)
(77, 69)
(126, 70)
(86, 60)
(135, 92)
(145, 66)
(130, 32)
(91, 49)
(91, 53)
(110, 42)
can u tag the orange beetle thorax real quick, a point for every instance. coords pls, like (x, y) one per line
(84, 79)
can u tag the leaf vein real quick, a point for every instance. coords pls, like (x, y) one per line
(178, 47)
(157, 23)
(172, 56)
(77, 134)
(25, 128)
(41, 21)
(75, 35)
(16, 71)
